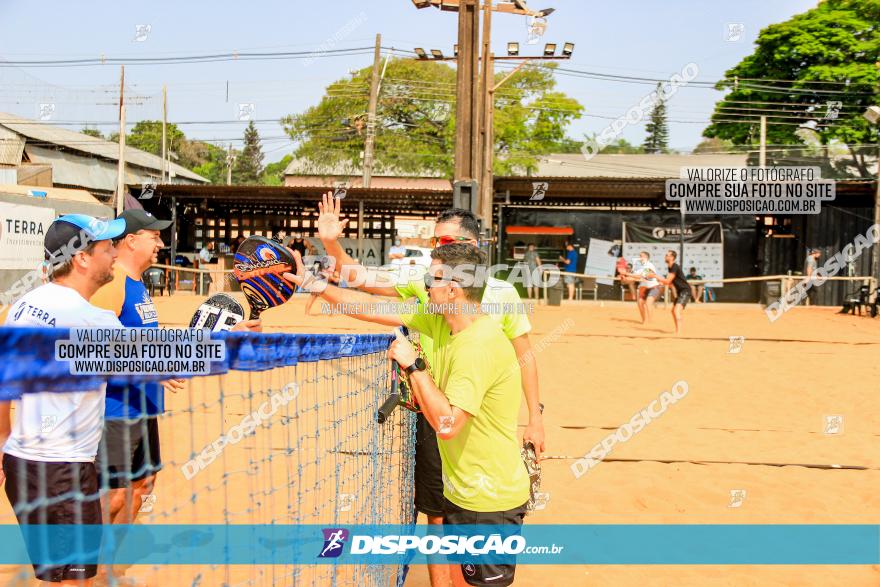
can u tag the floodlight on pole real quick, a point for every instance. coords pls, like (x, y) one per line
(436, 54)
(455, 49)
(513, 49)
(567, 49)
(422, 3)
(420, 53)
(549, 49)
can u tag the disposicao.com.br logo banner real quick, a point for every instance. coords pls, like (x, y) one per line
(531, 544)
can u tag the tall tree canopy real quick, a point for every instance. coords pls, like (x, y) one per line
(818, 66)
(657, 127)
(416, 120)
(248, 168)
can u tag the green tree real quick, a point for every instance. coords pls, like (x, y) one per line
(799, 71)
(415, 131)
(622, 146)
(657, 128)
(92, 132)
(248, 167)
(714, 145)
(212, 159)
(273, 174)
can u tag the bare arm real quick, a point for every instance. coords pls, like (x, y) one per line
(528, 367)
(446, 419)
(330, 229)
(359, 303)
(5, 429)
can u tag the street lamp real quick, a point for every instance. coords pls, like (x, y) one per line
(513, 49)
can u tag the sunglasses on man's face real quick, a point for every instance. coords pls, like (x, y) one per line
(442, 241)
(431, 281)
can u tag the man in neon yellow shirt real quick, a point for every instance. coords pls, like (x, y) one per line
(475, 414)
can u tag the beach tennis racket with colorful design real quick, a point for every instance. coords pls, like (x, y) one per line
(537, 500)
(260, 264)
(218, 313)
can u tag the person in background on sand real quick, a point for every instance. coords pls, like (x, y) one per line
(570, 261)
(649, 288)
(397, 251)
(811, 264)
(532, 261)
(696, 290)
(622, 269)
(675, 278)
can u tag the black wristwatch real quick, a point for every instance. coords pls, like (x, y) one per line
(419, 365)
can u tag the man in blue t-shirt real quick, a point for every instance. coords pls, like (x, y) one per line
(570, 262)
(128, 456)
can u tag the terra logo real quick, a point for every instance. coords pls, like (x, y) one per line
(334, 540)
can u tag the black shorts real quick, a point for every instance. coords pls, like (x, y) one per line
(683, 297)
(129, 451)
(429, 470)
(484, 574)
(33, 483)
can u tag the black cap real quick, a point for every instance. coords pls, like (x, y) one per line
(136, 220)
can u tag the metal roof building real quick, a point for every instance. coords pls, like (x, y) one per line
(36, 152)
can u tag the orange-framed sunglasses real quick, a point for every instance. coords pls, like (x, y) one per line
(442, 241)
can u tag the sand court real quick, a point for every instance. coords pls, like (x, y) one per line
(753, 427)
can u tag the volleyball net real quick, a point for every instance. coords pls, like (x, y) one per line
(284, 431)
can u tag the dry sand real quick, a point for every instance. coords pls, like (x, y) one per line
(765, 404)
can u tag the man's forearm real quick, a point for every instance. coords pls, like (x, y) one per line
(529, 371)
(358, 305)
(432, 401)
(355, 273)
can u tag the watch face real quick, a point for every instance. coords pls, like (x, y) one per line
(419, 364)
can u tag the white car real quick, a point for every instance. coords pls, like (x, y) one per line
(414, 256)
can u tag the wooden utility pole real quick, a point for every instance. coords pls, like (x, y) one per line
(369, 144)
(120, 171)
(164, 124)
(487, 107)
(467, 107)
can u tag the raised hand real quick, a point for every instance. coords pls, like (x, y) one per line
(330, 227)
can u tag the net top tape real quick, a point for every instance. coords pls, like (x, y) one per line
(28, 364)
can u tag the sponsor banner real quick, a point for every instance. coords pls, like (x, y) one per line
(601, 260)
(22, 229)
(706, 232)
(531, 544)
(703, 247)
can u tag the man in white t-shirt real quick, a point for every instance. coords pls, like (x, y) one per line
(649, 287)
(49, 452)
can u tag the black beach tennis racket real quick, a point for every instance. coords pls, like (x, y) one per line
(260, 264)
(386, 409)
(218, 313)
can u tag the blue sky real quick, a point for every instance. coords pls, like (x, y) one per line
(646, 38)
